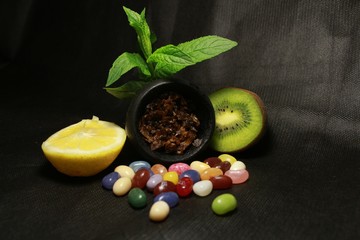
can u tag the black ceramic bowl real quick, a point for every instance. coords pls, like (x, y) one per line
(202, 109)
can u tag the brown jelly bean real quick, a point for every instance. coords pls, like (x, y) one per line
(224, 166)
(212, 161)
(221, 182)
(164, 186)
(140, 178)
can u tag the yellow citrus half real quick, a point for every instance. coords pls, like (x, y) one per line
(85, 148)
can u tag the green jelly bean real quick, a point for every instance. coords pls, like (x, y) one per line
(224, 203)
(137, 198)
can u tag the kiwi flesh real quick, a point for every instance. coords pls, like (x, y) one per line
(240, 119)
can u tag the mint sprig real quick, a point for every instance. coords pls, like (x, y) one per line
(164, 62)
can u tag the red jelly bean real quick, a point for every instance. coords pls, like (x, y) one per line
(164, 186)
(140, 178)
(212, 161)
(184, 187)
(221, 182)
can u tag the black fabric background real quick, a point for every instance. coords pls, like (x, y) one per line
(301, 57)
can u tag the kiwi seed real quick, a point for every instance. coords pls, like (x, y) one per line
(240, 119)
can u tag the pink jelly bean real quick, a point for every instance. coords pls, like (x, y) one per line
(179, 168)
(238, 176)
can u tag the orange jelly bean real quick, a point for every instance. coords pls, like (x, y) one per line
(159, 169)
(210, 172)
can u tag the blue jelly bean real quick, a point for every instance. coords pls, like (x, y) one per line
(171, 198)
(109, 180)
(136, 165)
(192, 174)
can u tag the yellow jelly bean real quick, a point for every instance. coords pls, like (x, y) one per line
(227, 157)
(125, 171)
(159, 211)
(122, 186)
(199, 166)
(171, 177)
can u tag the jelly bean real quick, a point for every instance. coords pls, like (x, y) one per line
(139, 164)
(159, 211)
(137, 198)
(153, 181)
(141, 177)
(193, 174)
(159, 169)
(227, 157)
(199, 166)
(170, 198)
(164, 186)
(179, 168)
(109, 180)
(221, 182)
(238, 165)
(125, 171)
(203, 188)
(224, 204)
(210, 172)
(212, 161)
(184, 187)
(224, 166)
(122, 186)
(238, 176)
(171, 177)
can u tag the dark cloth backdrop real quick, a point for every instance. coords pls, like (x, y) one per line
(301, 57)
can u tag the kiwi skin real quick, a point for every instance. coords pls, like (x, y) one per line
(262, 108)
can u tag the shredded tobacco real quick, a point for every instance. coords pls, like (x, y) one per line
(169, 125)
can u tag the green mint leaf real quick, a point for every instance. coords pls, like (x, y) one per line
(207, 47)
(124, 63)
(126, 90)
(138, 22)
(170, 59)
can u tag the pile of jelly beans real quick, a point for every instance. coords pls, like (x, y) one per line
(180, 180)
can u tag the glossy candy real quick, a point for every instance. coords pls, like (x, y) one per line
(137, 198)
(125, 171)
(141, 177)
(136, 165)
(227, 157)
(122, 186)
(109, 180)
(203, 188)
(153, 181)
(164, 186)
(221, 182)
(238, 176)
(159, 211)
(193, 174)
(212, 161)
(199, 166)
(224, 204)
(184, 187)
(179, 168)
(210, 172)
(224, 166)
(238, 165)
(170, 198)
(171, 177)
(159, 169)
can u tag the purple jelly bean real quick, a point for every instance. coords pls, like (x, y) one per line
(192, 174)
(171, 198)
(109, 180)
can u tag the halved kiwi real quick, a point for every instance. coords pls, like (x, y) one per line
(240, 119)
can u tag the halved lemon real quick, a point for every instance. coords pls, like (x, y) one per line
(84, 148)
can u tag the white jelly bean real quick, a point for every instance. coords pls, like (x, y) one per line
(122, 186)
(203, 188)
(159, 211)
(125, 171)
(238, 165)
